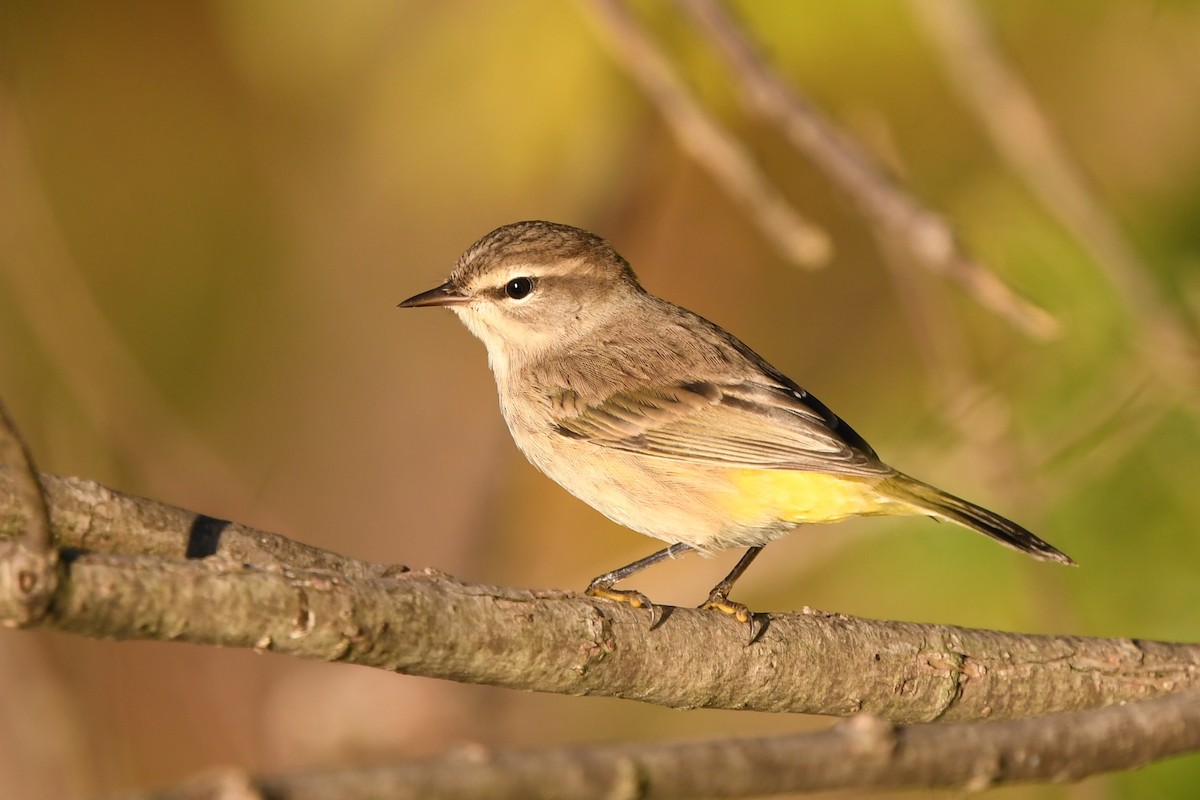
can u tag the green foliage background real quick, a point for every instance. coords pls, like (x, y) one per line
(209, 210)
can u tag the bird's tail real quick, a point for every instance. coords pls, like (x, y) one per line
(933, 501)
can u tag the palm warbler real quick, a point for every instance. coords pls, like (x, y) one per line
(663, 421)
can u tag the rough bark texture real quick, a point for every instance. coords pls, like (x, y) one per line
(860, 753)
(257, 589)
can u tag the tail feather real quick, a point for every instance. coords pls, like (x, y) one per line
(931, 500)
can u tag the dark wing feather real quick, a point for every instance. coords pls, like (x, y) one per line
(742, 424)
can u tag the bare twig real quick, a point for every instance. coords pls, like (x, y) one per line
(943, 356)
(429, 624)
(1114, 416)
(927, 236)
(1012, 118)
(705, 139)
(863, 752)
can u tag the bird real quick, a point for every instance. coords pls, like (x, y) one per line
(663, 421)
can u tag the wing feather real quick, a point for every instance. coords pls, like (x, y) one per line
(743, 424)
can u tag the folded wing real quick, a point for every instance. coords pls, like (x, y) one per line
(747, 424)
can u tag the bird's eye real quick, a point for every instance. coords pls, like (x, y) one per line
(518, 288)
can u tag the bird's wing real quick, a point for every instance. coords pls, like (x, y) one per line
(743, 424)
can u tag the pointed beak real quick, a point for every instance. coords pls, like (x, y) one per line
(444, 295)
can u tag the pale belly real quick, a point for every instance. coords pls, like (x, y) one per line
(707, 507)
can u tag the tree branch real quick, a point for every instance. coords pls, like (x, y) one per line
(259, 590)
(864, 752)
(714, 147)
(1013, 119)
(926, 235)
(28, 558)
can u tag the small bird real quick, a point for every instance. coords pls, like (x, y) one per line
(663, 421)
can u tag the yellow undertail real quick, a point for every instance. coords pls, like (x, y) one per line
(807, 497)
(814, 497)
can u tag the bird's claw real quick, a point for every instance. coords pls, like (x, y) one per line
(717, 601)
(630, 597)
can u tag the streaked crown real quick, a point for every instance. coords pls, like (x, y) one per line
(549, 248)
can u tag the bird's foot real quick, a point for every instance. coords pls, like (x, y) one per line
(631, 597)
(718, 601)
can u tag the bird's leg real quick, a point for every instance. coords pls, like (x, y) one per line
(718, 598)
(602, 586)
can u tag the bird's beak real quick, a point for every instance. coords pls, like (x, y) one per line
(444, 295)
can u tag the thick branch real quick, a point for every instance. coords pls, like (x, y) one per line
(28, 558)
(247, 594)
(86, 516)
(864, 752)
(15, 456)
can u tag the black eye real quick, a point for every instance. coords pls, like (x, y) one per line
(518, 288)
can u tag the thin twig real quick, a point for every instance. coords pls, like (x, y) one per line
(926, 235)
(428, 624)
(979, 416)
(861, 753)
(1010, 114)
(1118, 418)
(943, 356)
(714, 147)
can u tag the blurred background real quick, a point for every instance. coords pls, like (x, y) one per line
(208, 212)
